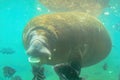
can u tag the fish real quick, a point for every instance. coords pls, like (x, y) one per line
(7, 51)
(16, 78)
(105, 66)
(116, 27)
(8, 71)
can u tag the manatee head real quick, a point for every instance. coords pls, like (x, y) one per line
(38, 51)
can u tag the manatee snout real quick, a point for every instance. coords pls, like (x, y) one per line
(37, 51)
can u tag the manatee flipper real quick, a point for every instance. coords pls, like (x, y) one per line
(67, 72)
(38, 73)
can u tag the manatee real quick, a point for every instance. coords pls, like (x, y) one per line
(68, 40)
(93, 7)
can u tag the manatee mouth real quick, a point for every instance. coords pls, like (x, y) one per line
(33, 59)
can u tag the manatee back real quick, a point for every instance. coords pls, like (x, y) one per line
(75, 33)
(76, 5)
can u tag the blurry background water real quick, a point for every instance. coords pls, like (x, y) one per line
(14, 15)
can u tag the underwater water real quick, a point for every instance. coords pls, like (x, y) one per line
(15, 14)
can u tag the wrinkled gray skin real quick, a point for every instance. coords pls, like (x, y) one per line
(68, 41)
